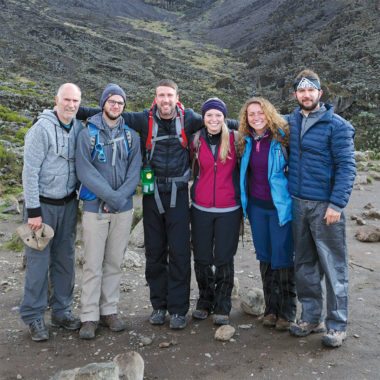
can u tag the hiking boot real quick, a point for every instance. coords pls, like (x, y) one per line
(221, 319)
(177, 322)
(200, 314)
(282, 324)
(88, 329)
(113, 322)
(157, 317)
(38, 330)
(334, 338)
(303, 328)
(269, 320)
(67, 321)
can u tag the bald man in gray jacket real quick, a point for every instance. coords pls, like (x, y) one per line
(49, 181)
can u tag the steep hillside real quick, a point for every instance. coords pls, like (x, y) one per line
(212, 47)
(95, 42)
(277, 38)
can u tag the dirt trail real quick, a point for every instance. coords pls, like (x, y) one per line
(254, 352)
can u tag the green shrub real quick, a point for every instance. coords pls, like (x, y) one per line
(15, 244)
(20, 134)
(8, 115)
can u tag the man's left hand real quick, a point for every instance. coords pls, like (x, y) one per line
(332, 216)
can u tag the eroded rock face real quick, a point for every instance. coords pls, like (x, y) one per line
(253, 302)
(369, 234)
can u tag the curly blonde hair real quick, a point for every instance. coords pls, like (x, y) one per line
(274, 119)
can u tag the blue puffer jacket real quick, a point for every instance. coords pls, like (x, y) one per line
(322, 162)
(276, 177)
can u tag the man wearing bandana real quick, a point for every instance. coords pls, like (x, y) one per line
(321, 176)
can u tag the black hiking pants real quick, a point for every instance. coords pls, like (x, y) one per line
(215, 237)
(167, 251)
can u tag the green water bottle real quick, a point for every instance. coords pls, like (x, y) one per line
(147, 180)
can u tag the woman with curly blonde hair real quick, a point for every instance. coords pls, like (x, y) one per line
(267, 203)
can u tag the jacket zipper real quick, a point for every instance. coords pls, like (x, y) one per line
(215, 184)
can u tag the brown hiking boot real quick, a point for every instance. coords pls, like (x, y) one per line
(113, 322)
(282, 324)
(88, 329)
(269, 320)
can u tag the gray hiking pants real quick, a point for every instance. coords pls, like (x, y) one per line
(320, 252)
(55, 264)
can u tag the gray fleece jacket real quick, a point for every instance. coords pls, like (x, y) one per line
(115, 180)
(49, 166)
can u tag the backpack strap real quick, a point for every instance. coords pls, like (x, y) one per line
(236, 141)
(128, 138)
(197, 146)
(153, 130)
(93, 131)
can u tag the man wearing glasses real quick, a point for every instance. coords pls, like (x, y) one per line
(108, 161)
(49, 182)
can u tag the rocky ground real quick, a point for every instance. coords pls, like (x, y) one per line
(253, 352)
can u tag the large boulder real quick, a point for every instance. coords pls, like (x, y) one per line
(131, 365)
(92, 371)
(136, 238)
(253, 302)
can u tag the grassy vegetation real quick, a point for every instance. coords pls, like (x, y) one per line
(15, 244)
(7, 114)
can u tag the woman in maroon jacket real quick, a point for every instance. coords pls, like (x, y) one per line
(215, 212)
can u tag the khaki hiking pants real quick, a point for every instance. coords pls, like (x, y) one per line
(105, 242)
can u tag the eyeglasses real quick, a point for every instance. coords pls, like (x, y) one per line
(114, 103)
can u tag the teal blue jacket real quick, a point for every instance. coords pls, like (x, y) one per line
(278, 182)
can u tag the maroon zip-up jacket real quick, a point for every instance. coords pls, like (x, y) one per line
(216, 184)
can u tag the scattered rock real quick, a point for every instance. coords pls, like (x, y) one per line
(361, 222)
(136, 238)
(245, 327)
(361, 179)
(361, 156)
(253, 302)
(145, 340)
(368, 234)
(132, 259)
(131, 365)
(167, 344)
(368, 206)
(224, 333)
(372, 213)
(354, 217)
(375, 175)
(13, 208)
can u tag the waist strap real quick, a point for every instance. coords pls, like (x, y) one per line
(58, 202)
(173, 194)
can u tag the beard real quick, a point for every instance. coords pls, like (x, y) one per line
(312, 107)
(112, 116)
